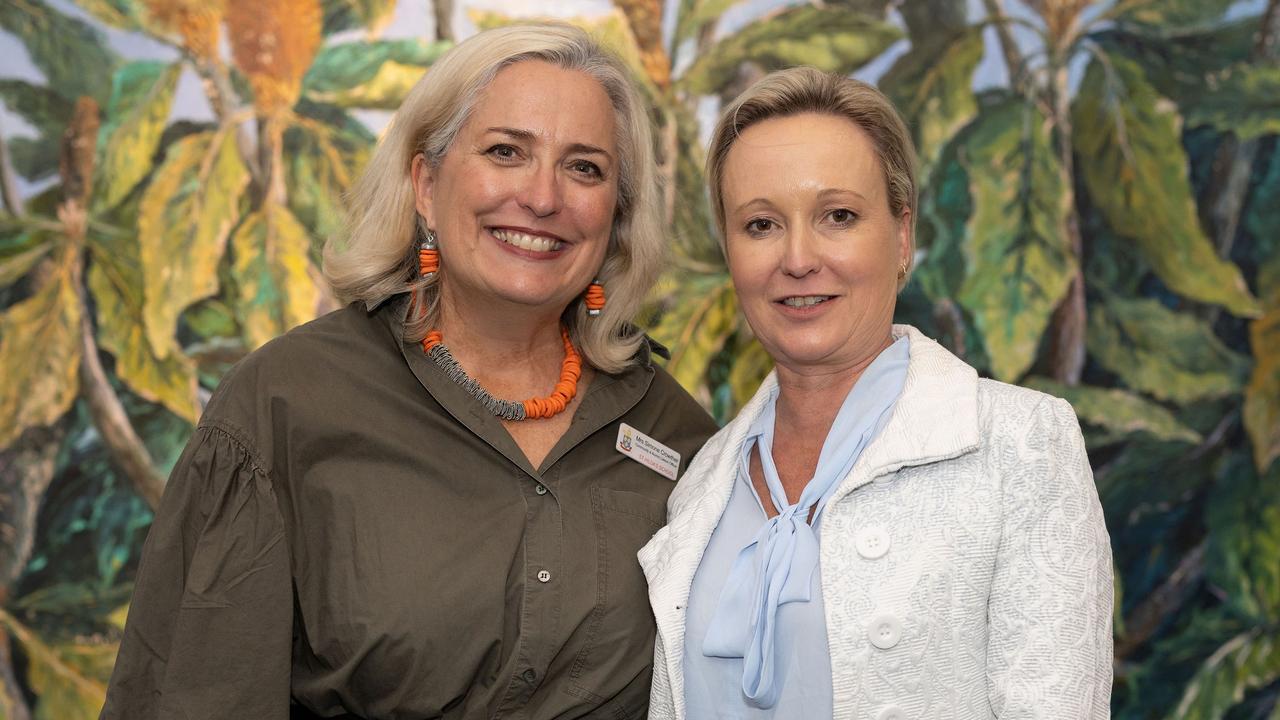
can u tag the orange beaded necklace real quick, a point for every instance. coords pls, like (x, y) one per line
(531, 409)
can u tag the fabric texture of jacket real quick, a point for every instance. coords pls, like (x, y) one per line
(966, 567)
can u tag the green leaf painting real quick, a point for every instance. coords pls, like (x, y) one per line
(369, 74)
(1171, 356)
(1135, 169)
(1019, 266)
(828, 38)
(932, 86)
(1118, 412)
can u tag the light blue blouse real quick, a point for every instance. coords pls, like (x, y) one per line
(801, 665)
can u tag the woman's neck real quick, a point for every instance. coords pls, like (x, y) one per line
(810, 397)
(517, 350)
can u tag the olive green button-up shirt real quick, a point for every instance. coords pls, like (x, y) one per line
(350, 534)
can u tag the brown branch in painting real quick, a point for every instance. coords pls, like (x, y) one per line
(443, 12)
(26, 469)
(1233, 162)
(12, 704)
(125, 448)
(1163, 602)
(216, 80)
(9, 181)
(1068, 325)
(1018, 76)
(946, 314)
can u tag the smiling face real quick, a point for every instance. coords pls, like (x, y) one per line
(812, 246)
(523, 201)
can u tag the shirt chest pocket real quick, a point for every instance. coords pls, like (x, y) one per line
(620, 631)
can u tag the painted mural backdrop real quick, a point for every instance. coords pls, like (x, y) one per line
(1102, 224)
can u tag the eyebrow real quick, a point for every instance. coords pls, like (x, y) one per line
(529, 136)
(822, 195)
(842, 191)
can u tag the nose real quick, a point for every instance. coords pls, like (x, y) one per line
(540, 194)
(800, 255)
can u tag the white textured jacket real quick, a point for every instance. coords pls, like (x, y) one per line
(966, 568)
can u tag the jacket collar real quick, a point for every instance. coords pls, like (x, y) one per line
(935, 418)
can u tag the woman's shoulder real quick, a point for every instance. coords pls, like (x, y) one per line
(1019, 424)
(334, 348)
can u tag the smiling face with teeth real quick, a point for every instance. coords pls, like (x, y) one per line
(812, 246)
(523, 201)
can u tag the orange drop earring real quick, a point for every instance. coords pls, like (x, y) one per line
(428, 255)
(594, 298)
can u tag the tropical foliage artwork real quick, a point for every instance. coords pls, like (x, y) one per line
(1103, 224)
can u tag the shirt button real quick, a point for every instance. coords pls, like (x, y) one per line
(891, 712)
(529, 676)
(872, 542)
(885, 631)
(541, 489)
(544, 576)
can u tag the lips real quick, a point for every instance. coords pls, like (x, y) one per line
(529, 242)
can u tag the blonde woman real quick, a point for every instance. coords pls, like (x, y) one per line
(416, 507)
(879, 534)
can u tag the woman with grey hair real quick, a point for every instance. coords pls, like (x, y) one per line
(879, 534)
(428, 504)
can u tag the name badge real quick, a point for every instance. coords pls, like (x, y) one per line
(648, 452)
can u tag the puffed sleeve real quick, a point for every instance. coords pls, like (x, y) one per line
(1049, 614)
(210, 626)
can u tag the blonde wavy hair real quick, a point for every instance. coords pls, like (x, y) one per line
(377, 255)
(806, 89)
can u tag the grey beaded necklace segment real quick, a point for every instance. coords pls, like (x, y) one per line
(505, 409)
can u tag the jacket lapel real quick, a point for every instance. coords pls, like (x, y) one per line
(935, 418)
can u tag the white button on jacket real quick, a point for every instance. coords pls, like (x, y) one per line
(885, 631)
(872, 542)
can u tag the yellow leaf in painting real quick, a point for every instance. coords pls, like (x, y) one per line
(276, 291)
(139, 109)
(696, 328)
(57, 675)
(116, 283)
(40, 354)
(185, 215)
(612, 29)
(751, 364)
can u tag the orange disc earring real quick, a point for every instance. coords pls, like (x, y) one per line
(428, 255)
(594, 298)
